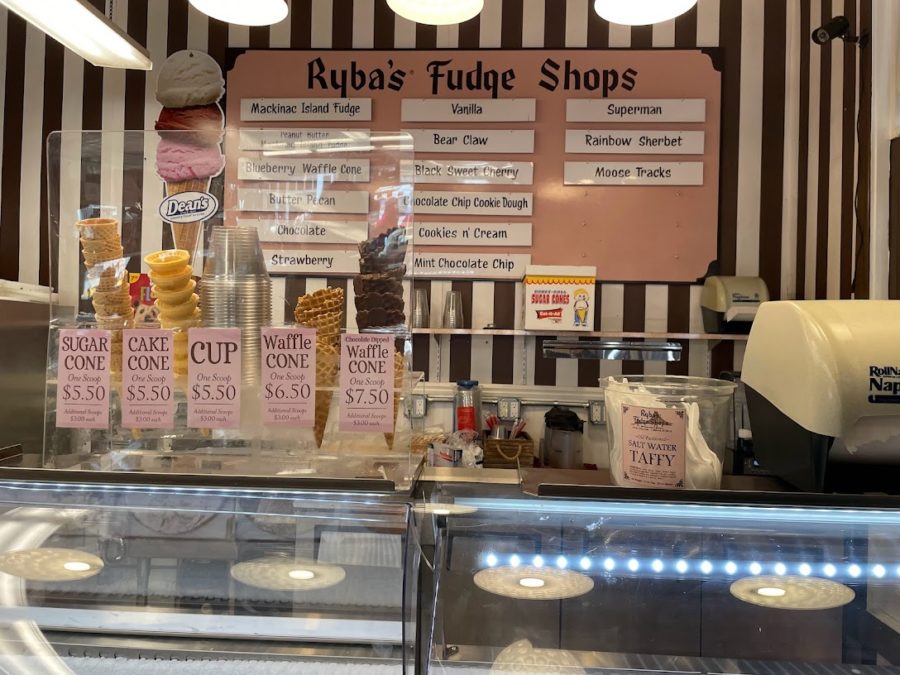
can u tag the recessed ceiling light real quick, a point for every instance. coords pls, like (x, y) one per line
(641, 12)
(50, 564)
(533, 583)
(437, 12)
(276, 574)
(792, 592)
(244, 12)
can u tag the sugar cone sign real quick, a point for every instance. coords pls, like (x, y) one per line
(189, 154)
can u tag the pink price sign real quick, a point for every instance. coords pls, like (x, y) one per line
(214, 378)
(367, 383)
(147, 391)
(288, 376)
(82, 392)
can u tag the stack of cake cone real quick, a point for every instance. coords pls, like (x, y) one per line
(399, 372)
(101, 246)
(187, 235)
(176, 300)
(327, 367)
(324, 311)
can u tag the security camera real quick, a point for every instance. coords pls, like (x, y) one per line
(838, 27)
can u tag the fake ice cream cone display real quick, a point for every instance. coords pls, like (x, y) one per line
(176, 301)
(189, 87)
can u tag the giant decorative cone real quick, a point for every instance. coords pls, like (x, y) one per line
(187, 235)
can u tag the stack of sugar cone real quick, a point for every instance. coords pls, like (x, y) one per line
(173, 289)
(399, 372)
(327, 367)
(324, 311)
(102, 248)
(186, 236)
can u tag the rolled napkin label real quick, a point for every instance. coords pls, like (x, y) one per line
(654, 446)
(82, 392)
(214, 378)
(147, 392)
(288, 376)
(367, 383)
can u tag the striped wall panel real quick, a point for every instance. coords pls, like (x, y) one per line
(792, 159)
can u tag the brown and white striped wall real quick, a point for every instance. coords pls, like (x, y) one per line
(791, 172)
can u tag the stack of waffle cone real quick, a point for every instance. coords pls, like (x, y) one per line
(399, 372)
(187, 235)
(101, 246)
(176, 300)
(324, 311)
(327, 367)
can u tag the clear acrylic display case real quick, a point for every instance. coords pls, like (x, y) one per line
(569, 586)
(114, 580)
(266, 216)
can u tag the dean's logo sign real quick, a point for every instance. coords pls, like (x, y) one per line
(188, 207)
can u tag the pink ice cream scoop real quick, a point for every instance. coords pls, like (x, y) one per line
(180, 161)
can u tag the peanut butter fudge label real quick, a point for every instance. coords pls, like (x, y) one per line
(654, 446)
(214, 378)
(367, 383)
(147, 391)
(82, 398)
(288, 376)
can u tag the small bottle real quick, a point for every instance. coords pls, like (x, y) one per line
(467, 406)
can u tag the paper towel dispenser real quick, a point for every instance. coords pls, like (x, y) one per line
(823, 389)
(729, 304)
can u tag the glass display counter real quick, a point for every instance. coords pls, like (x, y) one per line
(569, 586)
(120, 580)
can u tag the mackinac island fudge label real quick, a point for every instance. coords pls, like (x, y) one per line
(214, 378)
(147, 392)
(82, 392)
(305, 109)
(288, 376)
(367, 383)
(654, 446)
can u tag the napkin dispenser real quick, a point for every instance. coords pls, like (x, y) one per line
(823, 389)
(729, 304)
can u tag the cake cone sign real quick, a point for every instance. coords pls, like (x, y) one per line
(189, 154)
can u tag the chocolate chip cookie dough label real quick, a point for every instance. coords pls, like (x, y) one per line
(474, 265)
(473, 203)
(472, 234)
(307, 261)
(305, 109)
(288, 371)
(307, 201)
(462, 141)
(612, 142)
(214, 378)
(147, 393)
(654, 446)
(367, 383)
(636, 110)
(286, 169)
(301, 230)
(320, 140)
(82, 391)
(634, 173)
(474, 172)
(468, 110)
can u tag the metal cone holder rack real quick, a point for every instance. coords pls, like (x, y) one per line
(189, 344)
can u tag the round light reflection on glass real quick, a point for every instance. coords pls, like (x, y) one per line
(533, 583)
(792, 592)
(50, 564)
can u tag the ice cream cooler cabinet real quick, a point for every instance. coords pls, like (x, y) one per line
(232, 304)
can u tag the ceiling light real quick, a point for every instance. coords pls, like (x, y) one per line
(275, 574)
(76, 566)
(641, 12)
(436, 12)
(792, 592)
(533, 583)
(244, 12)
(302, 575)
(84, 30)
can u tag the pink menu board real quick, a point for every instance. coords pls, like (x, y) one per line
(367, 383)
(288, 376)
(82, 391)
(578, 157)
(214, 378)
(147, 391)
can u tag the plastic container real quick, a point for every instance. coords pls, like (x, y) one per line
(667, 431)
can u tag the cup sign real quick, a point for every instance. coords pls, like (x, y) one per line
(82, 392)
(214, 378)
(147, 392)
(288, 376)
(367, 383)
